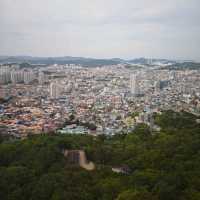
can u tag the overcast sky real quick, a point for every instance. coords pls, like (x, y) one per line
(101, 28)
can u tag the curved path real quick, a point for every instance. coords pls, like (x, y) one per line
(82, 159)
(84, 163)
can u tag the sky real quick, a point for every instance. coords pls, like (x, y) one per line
(101, 28)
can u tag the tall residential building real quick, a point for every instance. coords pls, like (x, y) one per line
(17, 76)
(41, 78)
(134, 84)
(157, 86)
(55, 90)
(28, 77)
(4, 69)
(5, 76)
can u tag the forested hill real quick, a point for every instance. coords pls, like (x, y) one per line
(183, 66)
(162, 165)
(89, 62)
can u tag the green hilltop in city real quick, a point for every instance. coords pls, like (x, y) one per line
(140, 165)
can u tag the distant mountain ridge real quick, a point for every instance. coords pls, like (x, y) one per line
(82, 60)
(58, 60)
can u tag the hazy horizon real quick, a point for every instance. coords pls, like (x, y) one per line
(106, 58)
(101, 29)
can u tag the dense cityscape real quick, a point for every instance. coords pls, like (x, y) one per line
(75, 99)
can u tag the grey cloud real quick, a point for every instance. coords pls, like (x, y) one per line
(108, 28)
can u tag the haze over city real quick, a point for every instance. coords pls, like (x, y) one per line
(99, 100)
(101, 29)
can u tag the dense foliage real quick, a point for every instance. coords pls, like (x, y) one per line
(164, 165)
